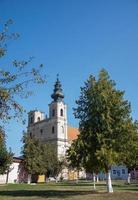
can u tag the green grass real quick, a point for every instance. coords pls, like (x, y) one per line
(68, 191)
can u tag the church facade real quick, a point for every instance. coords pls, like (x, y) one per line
(53, 129)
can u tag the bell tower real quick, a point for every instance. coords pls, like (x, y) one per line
(58, 118)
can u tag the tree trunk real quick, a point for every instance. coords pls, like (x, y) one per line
(128, 178)
(109, 182)
(77, 179)
(97, 178)
(94, 178)
(7, 177)
(29, 178)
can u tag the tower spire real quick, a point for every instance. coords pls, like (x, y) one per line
(57, 93)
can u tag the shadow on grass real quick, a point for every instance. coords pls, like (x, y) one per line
(79, 184)
(44, 193)
(129, 189)
(125, 185)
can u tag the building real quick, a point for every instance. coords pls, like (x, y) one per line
(53, 129)
(117, 173)
(12, 176)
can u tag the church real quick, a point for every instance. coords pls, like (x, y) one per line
(53, 129)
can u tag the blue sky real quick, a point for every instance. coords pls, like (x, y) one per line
(74, 38)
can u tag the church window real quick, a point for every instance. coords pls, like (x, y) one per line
(53, 129)
(53, 113)
(38, 119)
(61, 112)
(31, 119)
(123, 171)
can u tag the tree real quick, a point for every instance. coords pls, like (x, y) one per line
(40, 158)
(103, 115)
(129, 155)
(74, 155)
(51, 164)
(14, 81)
(79, 157)
(32, 156)
(5, 156)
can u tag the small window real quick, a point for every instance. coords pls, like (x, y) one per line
(123, 171)
(38, 119)
(53, 113)
(53, 129)
(31, 120)
(61, 112)
(114, 171)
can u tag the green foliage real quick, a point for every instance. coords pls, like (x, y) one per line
(129, 154)
(74, 155)
(5, 156)
(40, 158)
(15, 80)
(32, 155)
(51, 164)
(106, 127)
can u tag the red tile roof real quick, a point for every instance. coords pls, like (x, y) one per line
(72, 133)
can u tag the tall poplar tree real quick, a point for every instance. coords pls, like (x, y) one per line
(104, 116)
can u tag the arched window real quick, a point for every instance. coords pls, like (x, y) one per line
(38, 119)
(53, 129)
(31, 119)
(61, 112)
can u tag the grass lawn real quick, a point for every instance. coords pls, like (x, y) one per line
(68, 191)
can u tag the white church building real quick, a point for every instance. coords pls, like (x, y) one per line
(53, 129)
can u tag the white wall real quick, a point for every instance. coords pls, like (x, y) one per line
(13, 174)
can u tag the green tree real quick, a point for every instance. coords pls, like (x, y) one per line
(32, 156)
(103, 115)
(40, 158)
(74, 156)
(51, 164)
(5, 155)
(79, 157)
(129, 155)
